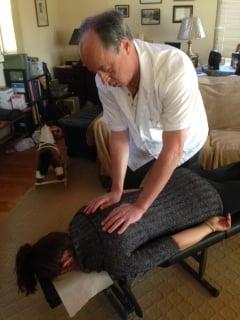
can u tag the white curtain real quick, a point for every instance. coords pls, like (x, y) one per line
(227, 33)
(1, 49)
(7, 33)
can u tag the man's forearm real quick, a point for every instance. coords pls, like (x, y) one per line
(163, 167)
(156, 179)
(119, 153)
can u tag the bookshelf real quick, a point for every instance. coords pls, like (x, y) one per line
(35, 91)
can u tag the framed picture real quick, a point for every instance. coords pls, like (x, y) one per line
(123, 10)
(41, 13)
(150, 1)
(150, 16)
(180, 12)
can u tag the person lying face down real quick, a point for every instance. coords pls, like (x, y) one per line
(187, 200)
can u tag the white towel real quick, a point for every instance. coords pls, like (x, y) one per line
(76, 288)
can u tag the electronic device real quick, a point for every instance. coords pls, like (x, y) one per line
(214, 60)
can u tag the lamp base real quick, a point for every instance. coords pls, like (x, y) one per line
(194, 59)
(192, 56)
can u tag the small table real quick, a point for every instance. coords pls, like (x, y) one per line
(224, 70)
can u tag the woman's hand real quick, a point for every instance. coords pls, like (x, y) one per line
(121, 217)
(103, 201)
(220, 223)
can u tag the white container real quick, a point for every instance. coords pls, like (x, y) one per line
(5, 98)
(36, 68)
(18, 101)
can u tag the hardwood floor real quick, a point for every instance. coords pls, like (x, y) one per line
(17, 175)
(17, 171)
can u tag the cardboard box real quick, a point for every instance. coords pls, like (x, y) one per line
(72, 103)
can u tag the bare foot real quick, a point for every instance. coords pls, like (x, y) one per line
(220, 223)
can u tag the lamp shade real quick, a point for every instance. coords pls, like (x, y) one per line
(74, 37)
(191, 28)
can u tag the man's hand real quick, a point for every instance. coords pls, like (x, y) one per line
(121, 217)
(103, 201)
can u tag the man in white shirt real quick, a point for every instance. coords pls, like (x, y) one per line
(153, 107)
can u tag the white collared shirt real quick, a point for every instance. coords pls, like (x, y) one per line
(168, 99)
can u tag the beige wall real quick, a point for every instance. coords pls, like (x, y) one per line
(50, 43)
(76, 10)
(38, 41)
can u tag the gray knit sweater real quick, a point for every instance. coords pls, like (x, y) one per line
(186, 200)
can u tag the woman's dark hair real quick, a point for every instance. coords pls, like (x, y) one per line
(109, 26)
(42, 260)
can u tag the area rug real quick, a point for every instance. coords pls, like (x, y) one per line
(168, 294)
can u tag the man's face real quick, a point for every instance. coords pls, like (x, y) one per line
(113, 67)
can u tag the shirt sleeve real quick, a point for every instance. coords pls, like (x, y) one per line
(111, 110)
(181, 95)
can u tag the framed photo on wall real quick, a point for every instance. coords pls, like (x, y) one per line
(41, 13)
(123, 10)
(150, 16)
(150, 1)
(181, 12)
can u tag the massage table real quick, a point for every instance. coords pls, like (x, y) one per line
(119, 293)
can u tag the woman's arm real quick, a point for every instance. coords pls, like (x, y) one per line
(189, 237)
(153, 253)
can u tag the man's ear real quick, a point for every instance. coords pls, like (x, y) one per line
(66, 261)
(126, 45)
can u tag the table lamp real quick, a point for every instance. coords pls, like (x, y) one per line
(74, 40)
(191, 28)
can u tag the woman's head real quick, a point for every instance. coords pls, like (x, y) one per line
(43, 260)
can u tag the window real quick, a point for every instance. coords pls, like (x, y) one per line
(7, 34)
(227, 33)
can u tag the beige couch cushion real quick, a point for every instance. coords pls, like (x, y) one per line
(222, 101)
(222, 147)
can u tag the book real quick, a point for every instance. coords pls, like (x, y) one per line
(19, 87)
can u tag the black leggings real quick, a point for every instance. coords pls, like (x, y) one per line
(133, 179)
(226, 180)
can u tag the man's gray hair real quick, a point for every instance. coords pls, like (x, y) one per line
(109, 26)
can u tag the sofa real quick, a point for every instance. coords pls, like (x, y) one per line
(222, 102)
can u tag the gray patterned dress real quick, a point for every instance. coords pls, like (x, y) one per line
(186, 200)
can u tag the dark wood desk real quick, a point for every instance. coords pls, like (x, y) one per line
(80, 81)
